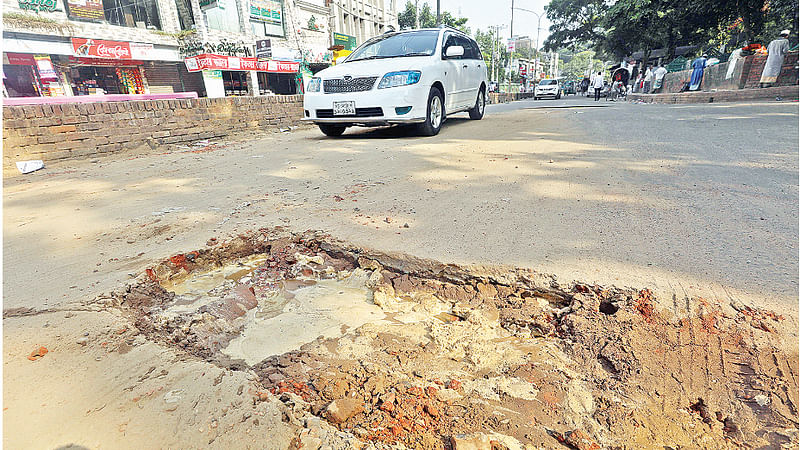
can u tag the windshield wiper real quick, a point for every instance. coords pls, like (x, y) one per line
(370, 57)
(417, 54)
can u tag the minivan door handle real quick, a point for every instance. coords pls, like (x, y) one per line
(465, 66)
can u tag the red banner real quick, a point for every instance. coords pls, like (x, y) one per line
(101, 49)
(221, 62)
(20, 59)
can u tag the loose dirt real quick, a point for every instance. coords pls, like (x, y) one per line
(361, 349)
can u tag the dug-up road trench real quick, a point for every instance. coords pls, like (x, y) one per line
(527, 286)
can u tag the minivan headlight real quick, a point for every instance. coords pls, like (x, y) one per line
(314, 84)
(404, 78)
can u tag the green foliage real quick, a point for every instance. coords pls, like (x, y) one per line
(180, 35)
(580, 63)
(574, 22)
(619, 28)
(35, 22)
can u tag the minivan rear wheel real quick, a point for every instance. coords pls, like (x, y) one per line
(332, 130)
(435, 114)
(476, 113)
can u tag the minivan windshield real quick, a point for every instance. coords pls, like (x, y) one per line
(547, 82)
(393, 45)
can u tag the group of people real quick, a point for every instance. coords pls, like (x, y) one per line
(651, 79)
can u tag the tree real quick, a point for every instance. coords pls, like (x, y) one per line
(427, 19)
(579, 64)
(407, 18)
(574, 22)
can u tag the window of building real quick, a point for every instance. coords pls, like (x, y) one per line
(133, 13)
(225, 17)
(185, 15)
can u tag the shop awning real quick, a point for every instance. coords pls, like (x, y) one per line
(151, 53)
(222, 62)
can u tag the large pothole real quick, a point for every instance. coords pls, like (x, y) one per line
(396, 350)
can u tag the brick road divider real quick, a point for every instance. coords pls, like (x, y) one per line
(787, 93)
(85, 130)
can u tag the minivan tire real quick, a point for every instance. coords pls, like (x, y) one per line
(476, 113)
(430, 127)
(332, 130)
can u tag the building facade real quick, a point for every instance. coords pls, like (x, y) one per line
(211, 47)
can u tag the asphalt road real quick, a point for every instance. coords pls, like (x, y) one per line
(686, 199)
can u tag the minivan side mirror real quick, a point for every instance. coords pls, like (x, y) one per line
(454, 51)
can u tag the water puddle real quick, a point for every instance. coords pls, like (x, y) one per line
(327, 308)
(202, 283)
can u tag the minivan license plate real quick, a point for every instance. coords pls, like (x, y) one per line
(344, 108)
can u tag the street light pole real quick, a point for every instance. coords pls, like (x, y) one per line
(438, 13)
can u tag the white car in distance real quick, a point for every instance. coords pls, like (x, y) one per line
(547, 88)
(408, 77)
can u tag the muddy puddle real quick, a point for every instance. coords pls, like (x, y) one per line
(391, 351)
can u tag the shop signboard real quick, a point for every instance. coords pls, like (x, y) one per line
(263, 49)
(349, 42)
(20, 59)
(141, 51)
(269, 11)
(45, 66)
(97, 48)
(86, 9)
(37, 5)
(222, 62)
(511, 45)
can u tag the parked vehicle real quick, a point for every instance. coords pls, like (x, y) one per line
(547, 88)
(409, 77)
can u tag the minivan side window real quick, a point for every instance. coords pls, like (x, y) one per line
(476, 50)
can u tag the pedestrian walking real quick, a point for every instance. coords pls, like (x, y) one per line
(598, 85)
(658, 77)
(648, 80)
(777, 50)
(699, 66)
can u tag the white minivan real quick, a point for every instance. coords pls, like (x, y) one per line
(407, 77)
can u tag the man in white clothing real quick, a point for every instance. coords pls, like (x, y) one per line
(648, 80)
(658, 76)
(597, 84)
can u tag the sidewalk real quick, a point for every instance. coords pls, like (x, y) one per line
(772, 93)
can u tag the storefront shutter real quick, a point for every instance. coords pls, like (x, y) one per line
(163, 78)
(192, 81)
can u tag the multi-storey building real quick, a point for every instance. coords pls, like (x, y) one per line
(85, 47)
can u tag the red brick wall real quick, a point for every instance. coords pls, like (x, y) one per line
(754, 65)
(53, 132)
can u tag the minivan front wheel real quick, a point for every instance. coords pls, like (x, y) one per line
(332, 130)
(476, 113)
(435, 116)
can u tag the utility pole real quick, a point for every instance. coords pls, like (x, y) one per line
(511, 57)
(416, 14)
(438, 13)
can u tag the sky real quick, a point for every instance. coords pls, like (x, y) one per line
(483, 14)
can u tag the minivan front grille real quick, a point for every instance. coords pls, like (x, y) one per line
(360, 112)
(339, 85)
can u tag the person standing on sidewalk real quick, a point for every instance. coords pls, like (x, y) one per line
(777, 50)
(648, 81)
(658, 77)
(699, 66)
(597, 85)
